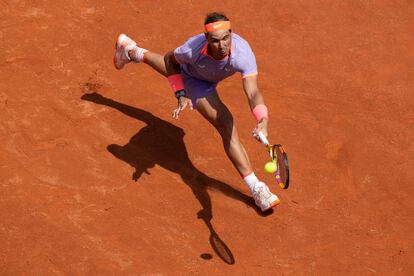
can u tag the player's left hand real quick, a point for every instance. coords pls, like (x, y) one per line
(261, 127)
(183, 102)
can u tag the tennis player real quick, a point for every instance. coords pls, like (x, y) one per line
(193, 71)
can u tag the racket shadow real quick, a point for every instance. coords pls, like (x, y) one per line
(155, 144)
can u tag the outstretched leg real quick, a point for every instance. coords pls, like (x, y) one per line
(156, 61)
(126, 50)
(213, 109)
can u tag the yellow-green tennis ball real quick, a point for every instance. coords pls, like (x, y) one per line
(270, 167)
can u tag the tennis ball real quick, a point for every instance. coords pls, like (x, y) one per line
(270, 167)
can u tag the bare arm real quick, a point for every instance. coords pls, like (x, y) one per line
(252, 91)
(255, 98)
(173, 67)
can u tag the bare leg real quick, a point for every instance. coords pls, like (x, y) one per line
(156, 61)
(213, 109)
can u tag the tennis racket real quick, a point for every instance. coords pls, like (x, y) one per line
(280, 157)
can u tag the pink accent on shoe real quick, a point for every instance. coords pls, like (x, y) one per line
(263, 198)
(122, 46)
(273, 204)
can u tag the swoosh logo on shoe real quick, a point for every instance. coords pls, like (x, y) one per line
(216, 26)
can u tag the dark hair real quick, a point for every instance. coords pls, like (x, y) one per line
(214, 17)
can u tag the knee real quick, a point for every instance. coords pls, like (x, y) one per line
(224, 125)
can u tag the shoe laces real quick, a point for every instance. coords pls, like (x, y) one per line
(261, 192)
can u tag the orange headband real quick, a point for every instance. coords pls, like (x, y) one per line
(219, 25)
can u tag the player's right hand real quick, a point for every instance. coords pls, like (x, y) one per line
(261, 127)
(183, 102)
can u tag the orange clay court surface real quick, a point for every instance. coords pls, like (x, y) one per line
(96, 178)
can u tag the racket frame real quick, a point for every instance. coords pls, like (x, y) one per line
(272, 150)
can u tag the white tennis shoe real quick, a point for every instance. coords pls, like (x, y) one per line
(263, 198)
(123, 46)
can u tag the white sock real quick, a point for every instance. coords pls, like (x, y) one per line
(251, 180)
(138, 54)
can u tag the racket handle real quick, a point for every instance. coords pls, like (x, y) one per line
(263, 138)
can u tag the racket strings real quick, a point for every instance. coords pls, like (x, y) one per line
(282, 166)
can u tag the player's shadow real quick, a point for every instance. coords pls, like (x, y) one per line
(161, 142)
